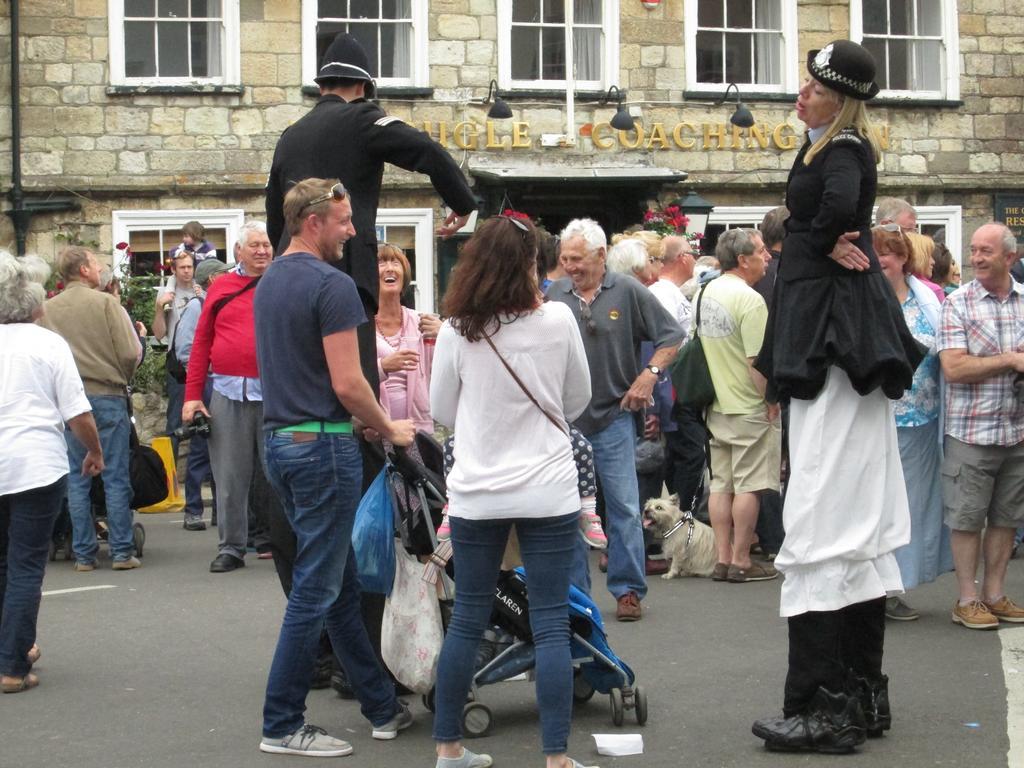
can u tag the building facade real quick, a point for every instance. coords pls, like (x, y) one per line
(138, 115)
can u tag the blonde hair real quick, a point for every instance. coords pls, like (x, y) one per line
(652, 242)
(921, 249)
(852, 114)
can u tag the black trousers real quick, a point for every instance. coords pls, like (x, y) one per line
(825, 646)
(685, 454)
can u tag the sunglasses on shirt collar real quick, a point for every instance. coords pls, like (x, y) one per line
(336, 193)
(587, 318)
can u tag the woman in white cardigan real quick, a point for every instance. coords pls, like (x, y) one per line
(509, 374)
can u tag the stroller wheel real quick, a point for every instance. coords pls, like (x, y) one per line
(640, 703)
(428, 700)
(618, 707)
(139, 538)
(476, 720)
(582, 690)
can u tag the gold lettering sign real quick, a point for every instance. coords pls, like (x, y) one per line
(686, 136)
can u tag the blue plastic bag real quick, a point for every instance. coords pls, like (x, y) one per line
(373, 537)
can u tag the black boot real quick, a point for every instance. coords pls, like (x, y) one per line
(874, 701)
(833, 723)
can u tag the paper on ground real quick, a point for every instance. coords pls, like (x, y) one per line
(619, 744)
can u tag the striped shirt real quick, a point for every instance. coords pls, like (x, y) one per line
(973, 319)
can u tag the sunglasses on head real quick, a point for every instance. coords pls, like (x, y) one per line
(336, 193)
(517, 223)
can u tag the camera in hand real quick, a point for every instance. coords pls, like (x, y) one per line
(199, 426)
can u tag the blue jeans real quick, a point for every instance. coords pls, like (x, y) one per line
(615, 461)
(175, 401)
(111, 415)
(198, 469)
(318, 483)
(26, 525)
(547, 544)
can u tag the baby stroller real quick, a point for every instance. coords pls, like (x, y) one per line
(420, 496)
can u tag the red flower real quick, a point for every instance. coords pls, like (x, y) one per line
(122, 246)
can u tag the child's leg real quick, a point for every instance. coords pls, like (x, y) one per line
(590, 523)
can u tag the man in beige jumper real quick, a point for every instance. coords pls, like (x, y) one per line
(104, 345)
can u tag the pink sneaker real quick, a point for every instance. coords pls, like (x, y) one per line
(591, 530)
(444, 530)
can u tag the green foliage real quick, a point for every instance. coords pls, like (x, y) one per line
(150, 376)
(138, 294)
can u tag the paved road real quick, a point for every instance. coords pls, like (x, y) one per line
(165, 666)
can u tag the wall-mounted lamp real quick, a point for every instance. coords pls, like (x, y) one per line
(697, 210)
(621, 121)
(741, 116)
(500, 110)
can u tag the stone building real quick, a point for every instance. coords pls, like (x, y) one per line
(138, 115)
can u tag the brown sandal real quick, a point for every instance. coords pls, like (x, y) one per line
(33, 654)
(19, 684)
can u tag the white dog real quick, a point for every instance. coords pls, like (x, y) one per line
(691, 546)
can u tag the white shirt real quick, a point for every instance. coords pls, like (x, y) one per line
(40, 389)
(510, 461)
(673, 301)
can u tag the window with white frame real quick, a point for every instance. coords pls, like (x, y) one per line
(153, 235)
(173, 42)
(412, 230)
(536, 37)
(393, 33)
(747, 42)
(915, 44)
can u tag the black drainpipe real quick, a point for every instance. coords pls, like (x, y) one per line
(23, 209)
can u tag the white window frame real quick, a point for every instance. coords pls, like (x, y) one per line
(789, 65)
(422, 221)
(948, 216)
(609, 64)
(420, 44)
(231, 63)
(950, 61)
(123, 223)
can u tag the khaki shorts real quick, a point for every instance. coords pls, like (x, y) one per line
(982, 483)
(746, 452)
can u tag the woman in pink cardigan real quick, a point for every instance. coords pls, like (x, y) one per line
(405, 344)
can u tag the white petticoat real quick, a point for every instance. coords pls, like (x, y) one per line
(846, 503)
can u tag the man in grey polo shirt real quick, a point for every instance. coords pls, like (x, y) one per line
(615, 313)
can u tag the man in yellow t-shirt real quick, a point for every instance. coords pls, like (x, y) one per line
(745, 432)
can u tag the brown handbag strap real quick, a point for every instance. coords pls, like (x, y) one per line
(522, 386)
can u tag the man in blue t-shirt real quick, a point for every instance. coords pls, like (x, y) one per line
(306, 317)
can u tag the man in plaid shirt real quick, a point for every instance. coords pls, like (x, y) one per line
(981, 347)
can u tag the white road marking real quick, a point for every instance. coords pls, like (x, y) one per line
(1012, 641)
(51, 592)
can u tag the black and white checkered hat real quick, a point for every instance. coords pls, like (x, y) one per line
(346, 57)
(846, 67)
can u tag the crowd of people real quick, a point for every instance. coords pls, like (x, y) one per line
(854, 386)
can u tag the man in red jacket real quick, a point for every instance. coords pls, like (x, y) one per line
(224, 348)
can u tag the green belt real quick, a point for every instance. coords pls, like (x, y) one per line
(328, 427)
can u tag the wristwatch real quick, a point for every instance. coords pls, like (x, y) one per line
(653, 369)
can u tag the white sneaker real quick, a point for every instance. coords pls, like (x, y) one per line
(308, 741)
(390, 729)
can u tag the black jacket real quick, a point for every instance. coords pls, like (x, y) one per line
(351, 141)
(832, 195)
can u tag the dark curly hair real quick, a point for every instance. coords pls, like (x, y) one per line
(496, 274)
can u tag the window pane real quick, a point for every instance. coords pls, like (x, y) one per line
(928, 55)
(738, 68)
(139, 49)
(738, 14)
(587, 52)
(139, 7)
(396, 9)
(554, 12)
(710, 13)
(177, 9)
(172, 49)
(526, 11)
(876, 48)
(553, 54)
(206, 9)
(929, 17)
(875, 17)
(768, 14)
(389, 53)
(899, 65)
(206, 49)
(364, 9)
(767, 58)
(899, 17)
(525, 53)
(366, 34)
(331, 9)
(587, 11)
(709, 57)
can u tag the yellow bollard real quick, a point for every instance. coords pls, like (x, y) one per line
(174, 502)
